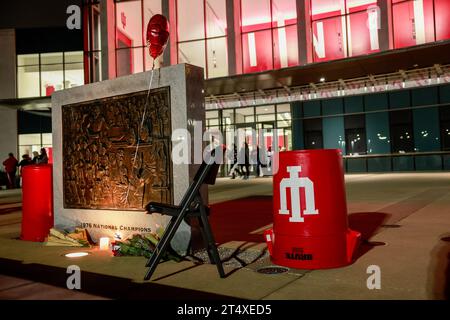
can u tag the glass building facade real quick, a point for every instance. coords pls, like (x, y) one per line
(230, 37)
(402, 130)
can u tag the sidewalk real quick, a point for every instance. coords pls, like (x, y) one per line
(405, 216)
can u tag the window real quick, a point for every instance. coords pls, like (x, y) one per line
(344, 28)
(202, 35)
(132, 17)
(420, 21)
(401, 131)
(265, 114)
(245, 115)
(355, 135)
(41, 74)
(269, 34)
(93, 40)
(212, 118)
(313, 133)
(29, 143)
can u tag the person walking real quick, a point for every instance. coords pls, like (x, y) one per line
(10, 167)
(244, 154)
(235, 167)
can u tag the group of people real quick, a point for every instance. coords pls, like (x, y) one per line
(241, 161)
(11, 164)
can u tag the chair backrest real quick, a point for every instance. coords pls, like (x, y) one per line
(211, 174)
(206, 174)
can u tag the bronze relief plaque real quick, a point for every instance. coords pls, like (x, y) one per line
(116, 151)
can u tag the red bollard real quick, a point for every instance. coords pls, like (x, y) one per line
(37, 202)
(310, 228)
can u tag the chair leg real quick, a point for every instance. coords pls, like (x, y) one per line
(162, 244)
(205, 241)
(211, 246)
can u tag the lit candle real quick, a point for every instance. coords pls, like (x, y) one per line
(104, 243)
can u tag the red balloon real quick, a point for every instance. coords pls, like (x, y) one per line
(157, 35)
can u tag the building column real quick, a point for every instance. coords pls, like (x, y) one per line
(8, 64)
(231, 37)
(383, 31)
(303, 32)
(108, 46)
(165, 11)
(8, 132)
(8, 80)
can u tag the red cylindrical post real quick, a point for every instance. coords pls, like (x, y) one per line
(37, 202)
(310, 228)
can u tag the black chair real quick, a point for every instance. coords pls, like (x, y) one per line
(190, 206)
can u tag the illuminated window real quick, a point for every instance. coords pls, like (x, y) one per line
(269, 34)
(202, 35)
(344, 28)
(41, 74)
(132, 17)
(413, 22)
(417, 22)
(442, 16)
(33, 142)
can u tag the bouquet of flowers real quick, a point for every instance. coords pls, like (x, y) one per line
(142, 245)
(78, 238)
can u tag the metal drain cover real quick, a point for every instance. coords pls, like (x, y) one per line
(272, 270)
(391, 226)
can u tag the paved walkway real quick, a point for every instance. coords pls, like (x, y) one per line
(404, 218)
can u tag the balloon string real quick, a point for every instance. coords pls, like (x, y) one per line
(141, 125)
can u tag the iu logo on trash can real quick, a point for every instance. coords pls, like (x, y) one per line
(294, 182)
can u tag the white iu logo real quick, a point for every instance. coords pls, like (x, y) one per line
(295, 183)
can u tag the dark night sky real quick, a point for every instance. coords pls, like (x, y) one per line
(34, 13)
(40, 25)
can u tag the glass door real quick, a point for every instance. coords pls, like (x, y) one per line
(267, 144)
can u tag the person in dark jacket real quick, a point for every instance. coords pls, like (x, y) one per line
(10, 168)
(43, 158)
(26, 160)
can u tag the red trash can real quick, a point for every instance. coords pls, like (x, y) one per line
(37, 202)
(310, 229)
